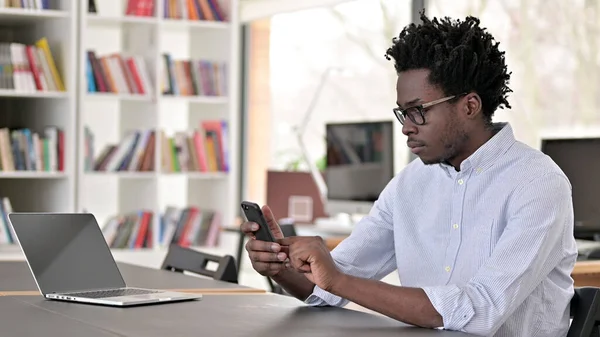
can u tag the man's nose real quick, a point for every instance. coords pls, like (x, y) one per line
(409, 128)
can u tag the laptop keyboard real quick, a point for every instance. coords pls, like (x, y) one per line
(113, 293)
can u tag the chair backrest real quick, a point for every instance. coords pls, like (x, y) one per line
(585, 311)
(180, 259)
(288, 230)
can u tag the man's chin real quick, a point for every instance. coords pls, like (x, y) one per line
(430, 161)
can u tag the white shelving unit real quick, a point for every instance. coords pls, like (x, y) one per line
(111, 116)
(38, 190)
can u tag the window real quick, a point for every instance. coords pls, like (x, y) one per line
(327, 64)
(553, 50)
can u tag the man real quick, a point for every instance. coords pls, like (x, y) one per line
(480, 227)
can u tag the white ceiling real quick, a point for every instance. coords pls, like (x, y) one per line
(258, 9)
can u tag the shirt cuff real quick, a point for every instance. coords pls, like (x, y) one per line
(452, 304)
(320, 297)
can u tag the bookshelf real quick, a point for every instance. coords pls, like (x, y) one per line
(110, 117)
(38, 119)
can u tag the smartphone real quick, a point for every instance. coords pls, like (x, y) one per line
(254, 214)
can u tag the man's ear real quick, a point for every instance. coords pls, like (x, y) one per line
(472, 106)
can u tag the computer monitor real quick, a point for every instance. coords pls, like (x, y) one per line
(579, 159)
(360, 163)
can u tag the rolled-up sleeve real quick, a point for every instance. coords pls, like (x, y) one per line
(531, 246)
(368, 252)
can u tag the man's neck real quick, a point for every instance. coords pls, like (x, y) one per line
(475, 142)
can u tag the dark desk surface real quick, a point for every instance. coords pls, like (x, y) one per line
(41, 322)
(216, 315)
(16, 276)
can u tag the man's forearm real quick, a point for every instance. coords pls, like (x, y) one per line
(408, 305)
(295, 284)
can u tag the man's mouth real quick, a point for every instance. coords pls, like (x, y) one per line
(415, 147)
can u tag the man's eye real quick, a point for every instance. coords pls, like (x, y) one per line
(412, 111)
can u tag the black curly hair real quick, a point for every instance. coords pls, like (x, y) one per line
(461, 56)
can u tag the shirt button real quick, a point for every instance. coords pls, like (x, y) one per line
(479, 169)
(447, 268)
(455, 226)
(460, 181)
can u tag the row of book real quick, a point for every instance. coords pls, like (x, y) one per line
(27, 150)
(134, 7)
(202, 150)
(25, 4)
(140, 7)
(186, 227)
(135, 153)
(132, 230)
(29, 68)
(189, 226)
(208, 10)
(117, 74)
(193, 77)
(7, 235)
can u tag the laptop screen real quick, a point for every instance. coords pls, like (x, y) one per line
(66, 252)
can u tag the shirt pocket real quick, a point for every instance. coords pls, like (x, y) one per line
(483, 239)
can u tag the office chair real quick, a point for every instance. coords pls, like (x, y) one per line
(585, 311)
(180, 259)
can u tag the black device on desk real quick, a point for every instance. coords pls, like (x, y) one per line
(254, 214)
(70, 261)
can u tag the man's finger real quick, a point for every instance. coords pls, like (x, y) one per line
(305, 268)
(268, 214)
(267, 257)
(262, 267)
(289, 240)
(249, 227)
(263, 246)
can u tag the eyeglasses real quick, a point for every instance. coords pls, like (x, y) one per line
(417, 113)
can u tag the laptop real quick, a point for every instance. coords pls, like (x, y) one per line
(71, 261)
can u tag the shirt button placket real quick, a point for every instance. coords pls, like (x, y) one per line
(455, 237)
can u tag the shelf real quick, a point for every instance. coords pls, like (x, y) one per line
(197, 99)
(32, 175)
(33, 94)
(19, 15)
(117, 20)
(122, 174)
(118, 97)
(195, 24)
(196, 175)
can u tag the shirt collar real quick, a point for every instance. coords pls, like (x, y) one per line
(485, 156)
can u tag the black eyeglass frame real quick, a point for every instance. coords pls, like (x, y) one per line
(402, 113)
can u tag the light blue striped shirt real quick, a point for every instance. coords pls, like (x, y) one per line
(492, 245)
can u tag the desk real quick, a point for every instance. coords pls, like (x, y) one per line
(218, 315)
(587, 273)
(41, 322)
(15, 276)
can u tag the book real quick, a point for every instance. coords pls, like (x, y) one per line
(200, 150)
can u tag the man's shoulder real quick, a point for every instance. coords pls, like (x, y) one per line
(531, 163)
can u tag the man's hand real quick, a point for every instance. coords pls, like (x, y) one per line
(267, 257)
(310, 256)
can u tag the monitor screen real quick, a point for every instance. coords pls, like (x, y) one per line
(360, 160)
(579, 159)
